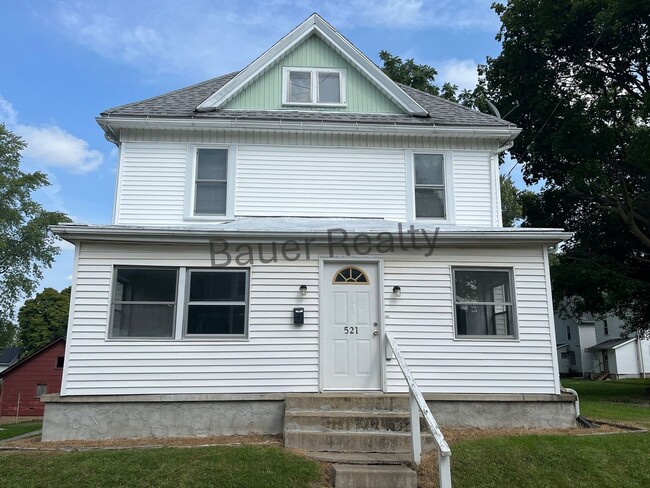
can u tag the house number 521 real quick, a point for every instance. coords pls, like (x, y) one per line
(350, 330)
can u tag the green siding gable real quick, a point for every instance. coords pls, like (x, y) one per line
(265, 93)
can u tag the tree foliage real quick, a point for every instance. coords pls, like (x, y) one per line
(26, 244)
(419, 76)
(43, 319)
(511, 202)
(7, 334)
(579, 70)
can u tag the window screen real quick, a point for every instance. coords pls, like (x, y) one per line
(211, 182)
(483, 302)
(144, 302)
(429, 186)
(217, 303)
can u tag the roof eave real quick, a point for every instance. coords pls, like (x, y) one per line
(114, 123)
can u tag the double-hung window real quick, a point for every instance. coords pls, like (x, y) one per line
(211, 182)
(318, 86)
(483, 300)
(429, 186)
(144, 303)
(217, 303)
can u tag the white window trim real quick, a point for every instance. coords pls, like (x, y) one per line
(190, 183)
(314, 87)
(186, 305)
(111, 301)
(513, 300)
(450, 209)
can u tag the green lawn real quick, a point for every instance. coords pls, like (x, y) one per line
(220, 466)
(12, 430)
(560, 461)
(624, 401)
(555, 461)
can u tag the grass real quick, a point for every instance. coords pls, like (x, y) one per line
(560, 461)
(626, 401)
(12, 430)
(222, 466)
(552, 461)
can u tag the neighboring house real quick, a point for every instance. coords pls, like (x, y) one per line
(592, 347)
(272, 225)
(9, 356)
(24, 382)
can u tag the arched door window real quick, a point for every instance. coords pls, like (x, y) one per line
(350, 275)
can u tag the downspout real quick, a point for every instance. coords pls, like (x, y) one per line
(579, 418)
(496, 177)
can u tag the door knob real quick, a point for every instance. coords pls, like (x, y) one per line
(375, 333)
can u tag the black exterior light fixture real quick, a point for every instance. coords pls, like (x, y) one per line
(397, 291)
(303, 290)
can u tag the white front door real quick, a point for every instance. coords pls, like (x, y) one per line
(350, 328)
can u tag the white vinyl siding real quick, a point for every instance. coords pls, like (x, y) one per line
(151, 190)
(474, 190)
(320, 182)
(280, 357)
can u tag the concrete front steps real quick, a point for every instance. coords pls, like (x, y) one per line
(365, 436)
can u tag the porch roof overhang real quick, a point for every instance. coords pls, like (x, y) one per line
(325, 230)
(611, 344)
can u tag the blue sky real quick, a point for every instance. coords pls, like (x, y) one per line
(69, 60)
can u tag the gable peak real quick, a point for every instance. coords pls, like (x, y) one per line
(313, 25)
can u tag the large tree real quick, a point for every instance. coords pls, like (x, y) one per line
(579, 70)
(43, 319)
(26, 243)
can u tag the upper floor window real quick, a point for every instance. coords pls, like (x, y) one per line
(483, 300)
(605, 327)
(313, 86)
(211, 184)
(429, 186)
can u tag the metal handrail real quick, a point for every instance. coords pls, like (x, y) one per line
(418, 404)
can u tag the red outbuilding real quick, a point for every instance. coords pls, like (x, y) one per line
(24, 382)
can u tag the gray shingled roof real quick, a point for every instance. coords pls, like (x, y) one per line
(610, 344)
(182, 103)
(10, 354)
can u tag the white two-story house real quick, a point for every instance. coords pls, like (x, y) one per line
(272, 225)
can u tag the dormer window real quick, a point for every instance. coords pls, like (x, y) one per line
(314, 86)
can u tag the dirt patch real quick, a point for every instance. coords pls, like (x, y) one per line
(12, 420)
(36, 443)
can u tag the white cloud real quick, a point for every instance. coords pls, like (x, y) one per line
(396, 14)
(461, 72)
(49, 146)
(205, 38)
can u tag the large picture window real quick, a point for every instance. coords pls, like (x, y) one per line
(429, 180)
(211, 185)
(144, 303)
(483, 300)
(217, 303)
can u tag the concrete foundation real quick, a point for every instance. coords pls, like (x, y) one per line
(504, 411)
(142, 416)
(108, 418)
